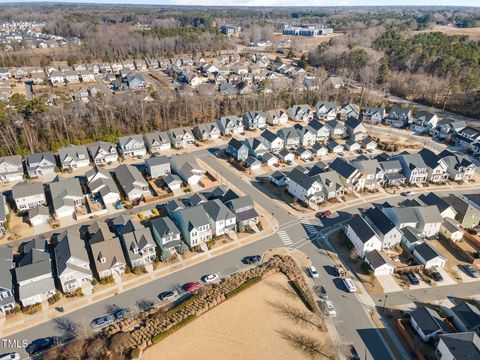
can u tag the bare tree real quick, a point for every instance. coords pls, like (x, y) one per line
(308, 345)
(299, 316)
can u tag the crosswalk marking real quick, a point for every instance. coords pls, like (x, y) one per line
(309, 228)
(285, 238)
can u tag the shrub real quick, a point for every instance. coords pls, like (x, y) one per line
(54, 298)
(306, 299)
(242, 287)
(32, 309)
(138, 270)
(107, 280)
(159, 337)
(210, 243)
(182, 248)
(166, 255)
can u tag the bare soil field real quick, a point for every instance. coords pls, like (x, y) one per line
(305, 42)
(473, 33)
(244, 327)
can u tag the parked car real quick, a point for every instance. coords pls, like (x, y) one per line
(328, 308)
(323, 293)
(121, 313)
(313, 272)
(41, 345)
(437, 276)
(193, 286)
(471, 271)
(10, 356)
(251, 259)
(325, 214)
(407, 193)
(102, 321)
(412, 262)
(167, 295)
(349, 285)
(211, 278)
(412, 278)
(339, 270)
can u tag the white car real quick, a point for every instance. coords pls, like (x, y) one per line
(329, 309)
(313, 272)
(211, 278)
(11, 356)
(408, 193)
(349, 285)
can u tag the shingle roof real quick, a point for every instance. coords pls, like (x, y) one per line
(434, 199)
(193, 216)
(380, 220)
(361, 228)
(377, 259)
(217, 210)
(463, 346)
(428, 320)
(343, 167)
(301, 179)
(26, 188)
(70, 246)
(468, 314)
(426, 251)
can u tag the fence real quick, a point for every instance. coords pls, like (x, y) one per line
(467, 255)
(401, 326)
(404, 269)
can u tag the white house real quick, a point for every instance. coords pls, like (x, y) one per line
(11, 168)
(132, 146)
(103, 152)
(464, 345)
(362, 236)
(193, 224)
(28, 195)
(379, 263)
(427, 323)
(304, 188)
(73, 157)
(272, 141)
(428, 256)
(222, 220)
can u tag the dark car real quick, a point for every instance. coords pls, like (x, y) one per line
(412, 278)
(412, 262)
(471, 271)
(40, 345)
(437, 276)
(251, 259)
(323, 293)
(102, 321)
(121, 313)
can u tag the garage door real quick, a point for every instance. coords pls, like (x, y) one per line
(383, 270)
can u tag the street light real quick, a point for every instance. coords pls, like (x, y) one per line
(384, 303)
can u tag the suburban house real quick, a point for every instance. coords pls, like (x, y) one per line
(459, 167)
(369, 144)
(303, 153)
(304, 188)
(193, 224)
(133, 184)
(187, 168)
(237, 149)
(28, 195)
(157, 142)
(413, 167)
(411, 238)
(67, 196)
(424, 122)
(71, 77)
(352, 179)
(173, 182)
(349, 110)
(40, 164)
(300, 112)
(195, 199)
(107, 255)
(379, 263)
(278, 178)
(334, 147)
(425, 219)
(445, 209)
(256, 146)
(451, 229)
(7, 299)
(33, 274)
(461, 346)
(222, 220)
(103, 153)
(319, 149)
(230, 125)
(38, 215)
(243, 209)
(101, 183)
(372, 171)
(331, 185)
(326, 110)
(373, 115)
(290, 137)
(467, 214)
(165, 233)
(322, 132)
(208, 131)
(132, 146)
(352, 146)
(276, 117)
(181, 137)
(398, 117)
(392, 170)
(286, 156)
(362, 236)
(11, 168)
(385, 229)
(307, 135)
(437, 168)
(73, 157)
(138, 245)
(355, 129)
(157, 166)
(269, 158)
(272, 141)
(337, 129)
(427, 323)
(429, 257)
(466, 317)
(254, 120)
(71, 262)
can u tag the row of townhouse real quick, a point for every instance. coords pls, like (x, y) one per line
(108, 248)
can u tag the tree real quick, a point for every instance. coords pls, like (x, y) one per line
(278, 59)
(308, 345)
(182, 248)
(383, 71)
(166, 255)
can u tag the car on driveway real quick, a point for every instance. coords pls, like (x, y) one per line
(42, 344)
(325, 214)
(436, 276)
(471, 271)
(10, 356)
(251, 259)
(349, 285)
(211, 278)
(328, 308)
(121, 313)
(193, 286)
(323, 293)
(102, 321)
(313, 272)
(407, 193)
(412, 278)
(167, 295)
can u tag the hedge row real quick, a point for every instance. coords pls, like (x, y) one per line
(182, 305)
(159, 337)
(307, 300)
(242, 287)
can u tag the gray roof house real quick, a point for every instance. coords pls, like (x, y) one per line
(290, 137)
(373, 115)
(428, 256)
(413, 167)
(363, 238)
(466, 317)
(337, 129)
(392, 170)
(326, 110)
(107, 255)
(230, 125)
(458, 346)
(307, 134)
(157, 142)
(157, 166)
(254, 120)
(181, 137)
(349, 110)
(276, 117)
(322, 132)
(237, 149)
(437, 167)
(256, 146)
(40, 164)
(372, 171)
(300, 112)
(331, 184)
(304, 188)
(7, 300)
(272, 141)
(459, 167)
(11, 168)
(101, 183)
(398, 117)
(71, 261)
(386, 230)
(355, 129)
(73, 157)
(133, 184)
(187, 168)
(131, 146)
(243, 209)
(28, 195)
(66, 195)
(467, 214)
(165, 233)
(193, 224)
(352, 179)
(138, 245)
(427, 323)
(208, 131)
(33, 274)
(103, 153)
(222, 220)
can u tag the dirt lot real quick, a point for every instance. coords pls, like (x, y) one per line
(305, 42)
(245, 327)
(473, 33)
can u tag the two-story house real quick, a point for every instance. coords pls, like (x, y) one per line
(392, 170)
(272, 141)
(437, 168)
(193, 224)
(352, 179)
(304, 188)
(165, 233)
(362, 236)
(131, 181)
(107, 255)
(290, 137)
(222, 220)
(276, 117)
(73, 157)
(459, 167)
(101, 183)
(66, 195)
(230, 125)
(138, 244)
(157, 166)
(385, 229)
(337, 129)
(208, 131)
(7, 299)
(398, 117)
(256, 146)
(326, 110)
(372, 171)
(307, 135)
(187, 168)
(157, 142)
(255, 120)
(424, 122)
(331, 184)
(103, 153)
(373, 115)
(413, 167)
(237, 149)
(322, 132)
(467, 214)
(243, 208)
(355, 129)
(28, 195)
(349, 110)
(11, 168)
(132, 146)
(181, 137)
(300, 112)
(40, 164)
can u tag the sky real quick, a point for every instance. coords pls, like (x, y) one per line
(274, 2)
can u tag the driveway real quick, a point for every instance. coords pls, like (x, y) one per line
(388, 283)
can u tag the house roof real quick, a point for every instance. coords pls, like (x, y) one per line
(71, 153)
(459, 205)
(429, 157)
(26, 188)
(278, 175)
(6, 265)
(377, 259)
(426, 251)
(157, 161)
(34, 260)
(451, 225)
(216, 210)
(33, 159)
(288, 133)
(140, 238)
(38, 210)
(361, 228)
(236, 144)
(156, 137)
(380, 220)
(353, 122)
(63, 190)
(428, 320)
(196, 199)
(410, 234)
(70, 246)
(367, 167)
(343, 167)
(111, 250)
(129, 178)
(463, 346)
(269, 136)
(164, 226)
(124, 140)
(193, 216)
(468, 314)
(434, 199)
(95, 147)
(301, 179)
